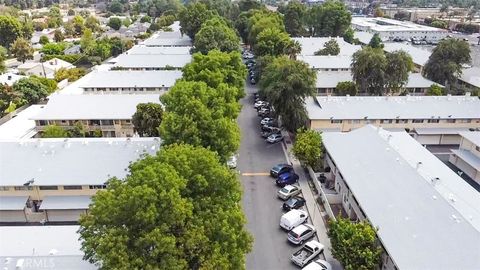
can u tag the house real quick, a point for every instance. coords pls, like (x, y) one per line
(467, 157)
(49, 32)
(327, 62)
(142, 49)
(426, 216)
(429, 119)
(42, 247)
(120, 81)
(45, 69)
(327, 81)
(310, 45)
(109, 114)
(20, 126)
(151, 61)
(10, 78)
(53, 179)
(75, 49)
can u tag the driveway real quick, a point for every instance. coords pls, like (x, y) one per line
(271, 251)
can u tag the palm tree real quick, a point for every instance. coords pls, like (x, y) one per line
(293, 49)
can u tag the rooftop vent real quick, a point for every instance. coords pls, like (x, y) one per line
(419, 165)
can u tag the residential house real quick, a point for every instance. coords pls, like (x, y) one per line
(467, 157)
(10, 78)
(75, 49)
(45, 69)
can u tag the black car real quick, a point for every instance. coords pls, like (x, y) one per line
(273, 130)
(293, 203)
(281, 168)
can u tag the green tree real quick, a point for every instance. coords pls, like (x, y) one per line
(247, 5)
(44, 40)
(54, 48)
(193, 16)
(199, 115)
(261, 20)
(147, 119)
(376, 41)
(439, 24)
(58, 35)
(346, 88)
(329, 48)
(116, 7)
(54, 17)
(3, 56)
(181, 205)
(330, 19)
(27, 28)
(435, 90)
(71, 12)
(32, 89)
(349, 36)
(87, 42)
(78, 131)
(399, 66)
(8, 96)
(378, 13)
(354, 244)
(145, 19)
(78, 24)
(294, 18)
(216, 34)
(72, 74)
(93, 24)
(242, 24)
(446, 61)
(54, 131)
(10, 30)
(126, 22)
(368, 69)
(286, 83)
(272, 41)
(22, 50)
(115, 23)
(308, 146)
(217, 67)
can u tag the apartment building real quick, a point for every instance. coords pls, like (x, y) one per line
(470, 79)
(467, 157)
(109, 115)
(130, 82)
(52, 180)
(168, 39)
(327, 62)
(426, 215)
(430, 119)
(142, 49)
(327, 82)
(151, 61)
(310, 45)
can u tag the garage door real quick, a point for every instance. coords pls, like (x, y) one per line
(428, 139)
(63, 215)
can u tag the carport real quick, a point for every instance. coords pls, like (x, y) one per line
(438, 136)
(12, 208)
(64, 208)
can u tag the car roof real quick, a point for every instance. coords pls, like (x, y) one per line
(289, 187)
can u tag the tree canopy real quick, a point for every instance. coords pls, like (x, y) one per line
(272, 41)
(54, 131)
(308, 146)
(22, 50)
(330, 47)
(193, 16)
(399, 66)
(294, 18)
(115, 23)
(179, 209)
(32, 89)
(10, 30)
(346, 88)
(215, 33)
(330, 19)
(376, 41)
(147, 119)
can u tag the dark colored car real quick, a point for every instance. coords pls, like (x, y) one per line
(281, 169)
(293, 203)
(273, 130)
(288, 178)
(270, 127)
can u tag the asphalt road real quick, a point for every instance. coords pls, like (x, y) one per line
(271, 250)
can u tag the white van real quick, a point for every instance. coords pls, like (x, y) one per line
(293, 218)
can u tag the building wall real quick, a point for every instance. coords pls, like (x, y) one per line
(123, 90)
(347, 125)
(38, 192)
(71, 215)
(418, 91)
(464, 166)
(470, 146)
(109, 128)
(13, 216)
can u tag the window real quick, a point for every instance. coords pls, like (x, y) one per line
(401, 121)
(433, 121)
(42, 123)
(417, 121)
(356, 121)
(465, 121)
(24, 188)
(386, 121)
(106, 122)
(48, 187)
(2, 188)
(72, 187)
(97, 187)
(336, 121)
(451, 120)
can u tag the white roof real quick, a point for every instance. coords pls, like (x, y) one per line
(69, 161)
(439, 131)
(52, 247)
(330, 79)
(470, 158)
(392, 107)
(9, 203)
(56, 64)
(473, 136)
(363, 37)
(126, 78)
(419, 56)
(327, 61)
(312, 44)
(422, 224)
(168, 39)
(152, 60)
(21, 126)
(88, 107)
(141, 49)
(10, 78)
(389, 25)
(471, 76)
(65, 202)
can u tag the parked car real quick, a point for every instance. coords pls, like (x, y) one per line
(318, 265)
(232, 162)
(301, 233)
(268, 127)
(260, 103)
(265, 113)
(281, 169)
(275, 138)
(288, 178)
(252, 81)
(272, 130)
(288, 191)
(307, 253)
(267, 120)
(293, 203)
(292, 219)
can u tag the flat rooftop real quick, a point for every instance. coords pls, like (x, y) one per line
(51, 247)
(427, 218)
(13, 203)
(152, 60)
(90, 107)
(69, 161)
(471, 76)
(419, 56)
(310, 45)
(327, 61)
(21, 126)
(65, 202)
(389, 25)
(393, 107)
(168, 39)
(127, 78)
(473, 136)
(142, 49)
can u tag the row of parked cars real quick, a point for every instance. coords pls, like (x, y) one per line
(294, 221)
(269, 127)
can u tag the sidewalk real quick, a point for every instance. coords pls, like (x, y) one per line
(311, 202)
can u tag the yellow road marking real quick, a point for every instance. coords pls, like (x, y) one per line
(256, 174)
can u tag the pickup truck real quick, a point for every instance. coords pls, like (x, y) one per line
(307, 253)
